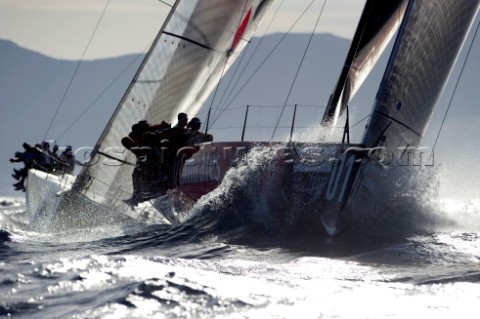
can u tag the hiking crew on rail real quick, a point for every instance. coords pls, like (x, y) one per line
(155, 147)
(40, 157)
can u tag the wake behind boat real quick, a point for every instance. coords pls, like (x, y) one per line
(189, 56)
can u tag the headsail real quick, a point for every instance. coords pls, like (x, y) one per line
(199, 39)
(379, 22)
(425, 51)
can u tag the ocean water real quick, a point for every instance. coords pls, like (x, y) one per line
(229, 260)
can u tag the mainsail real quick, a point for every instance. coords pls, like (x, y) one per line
(379, 22)
(197, 43)
(425, 51)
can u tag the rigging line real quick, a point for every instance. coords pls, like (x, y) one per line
(69, 127)
(262, 38)
(213, 98)
(456, 86)
(76, 70)
(224, 68)
(205, 46)
(259, 116)
(266, 58)
(299, 68)
(392, 119)
(360, 121)
(168, 4)
(228, 85)
(114, 158)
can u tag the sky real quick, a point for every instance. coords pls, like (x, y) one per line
(63, 28)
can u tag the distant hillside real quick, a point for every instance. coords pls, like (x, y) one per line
(32, 85)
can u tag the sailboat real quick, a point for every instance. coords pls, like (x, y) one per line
(198, 42)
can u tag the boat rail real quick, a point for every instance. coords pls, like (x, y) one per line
(290, 122)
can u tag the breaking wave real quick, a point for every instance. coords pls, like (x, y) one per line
(250, 202)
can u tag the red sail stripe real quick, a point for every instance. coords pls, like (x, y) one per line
(241, 30)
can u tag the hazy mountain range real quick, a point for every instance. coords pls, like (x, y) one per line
(32, 86)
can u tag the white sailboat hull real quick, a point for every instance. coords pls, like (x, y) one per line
(52, 206)
(42, 189)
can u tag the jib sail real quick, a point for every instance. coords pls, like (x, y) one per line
(199, 39)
